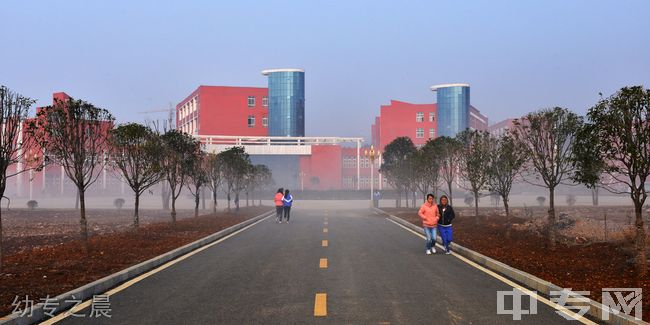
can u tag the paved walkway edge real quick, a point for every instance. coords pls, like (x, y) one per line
(106, 283)
(525, 279)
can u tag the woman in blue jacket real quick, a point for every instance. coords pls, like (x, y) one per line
(287, 200)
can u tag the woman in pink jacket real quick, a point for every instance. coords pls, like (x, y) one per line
(278, 205)
(429, 214)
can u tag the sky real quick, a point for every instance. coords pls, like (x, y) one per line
(518, 56)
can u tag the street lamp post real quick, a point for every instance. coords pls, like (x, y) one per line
(372, 154)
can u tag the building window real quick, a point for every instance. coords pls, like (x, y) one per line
(265, 101)
(419, 133)
(265, 121)
(431, 117)
(251, 101)
(419, 117)
(251, 121)
(432, 133)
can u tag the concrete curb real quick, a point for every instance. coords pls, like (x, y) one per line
(104, 284)
(525, 279)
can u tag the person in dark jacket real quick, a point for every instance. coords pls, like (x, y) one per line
(447, 215)
(287, 201)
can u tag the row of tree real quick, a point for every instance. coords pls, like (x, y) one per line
(82, 139)
(609, 148)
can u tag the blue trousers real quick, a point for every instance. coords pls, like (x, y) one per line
(446, 235)
(430, 232)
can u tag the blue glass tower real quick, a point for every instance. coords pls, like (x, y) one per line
(453, 108)
(286, 102)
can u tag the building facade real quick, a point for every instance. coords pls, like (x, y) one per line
(402, 119)
(500, 128)
(286, 102)
(453, 108)
(220, 110)
(477, 121)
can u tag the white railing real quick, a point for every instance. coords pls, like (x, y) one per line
(273, 141)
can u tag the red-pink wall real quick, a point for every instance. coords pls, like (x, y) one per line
(398, 119)
(324, 163)
(225, 111)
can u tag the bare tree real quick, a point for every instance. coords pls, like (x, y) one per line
(263, 179)
(197, 178)
(427, 167)
(214, 175)
(235, 166)
(547, 137)
(449, 151)
(505, 163)
(136, 152)
(178, 158)
(161, 127)
(618, 130)
(13, 111)
(241, 181)
(396, 165)
(475, 146)
(74, 133)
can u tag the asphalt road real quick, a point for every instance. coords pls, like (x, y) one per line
(376, 273)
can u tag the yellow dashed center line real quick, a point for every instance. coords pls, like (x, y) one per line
(324, 229)
(323, 263)
(320, 305)
(325, 243)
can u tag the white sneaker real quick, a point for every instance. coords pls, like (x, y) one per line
(448, 252)
(433, 250)
(428, 252)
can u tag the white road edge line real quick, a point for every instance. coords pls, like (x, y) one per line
(562, 309)
(141, 277)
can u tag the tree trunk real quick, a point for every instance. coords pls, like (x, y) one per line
(197, 200)
(237, 201)
(413, 199)
(228, 200)
(214, 202)
(136, 216)
(76, 201)
(247, 199)
(397, 199)
(173, 210)
(594, 196)
(83, 221)
(203, 198)
(406, 198)
(451, 201)
(165, 195)
(639, 241)
(0, 240)
(476, 205)
(505, 204)
(551, 219)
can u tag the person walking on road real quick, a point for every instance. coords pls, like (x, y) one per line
(287, 200)
(429, 214)
(447, 215)
(279, 205)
